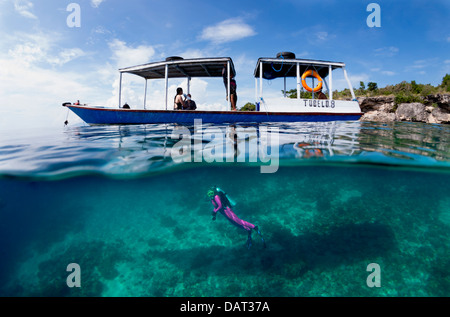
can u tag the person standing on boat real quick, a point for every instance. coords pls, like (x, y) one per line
(222, 204)
(179, 103)
(233, 87)
(190, 104)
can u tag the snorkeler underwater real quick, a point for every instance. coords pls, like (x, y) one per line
(223, 203)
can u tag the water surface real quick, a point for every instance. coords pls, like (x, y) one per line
(113, 200)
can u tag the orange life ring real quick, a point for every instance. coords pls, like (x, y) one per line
(310, 73)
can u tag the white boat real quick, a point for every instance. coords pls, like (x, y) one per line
(287, 66)
(281, 109)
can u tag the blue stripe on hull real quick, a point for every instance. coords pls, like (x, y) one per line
(112, 116)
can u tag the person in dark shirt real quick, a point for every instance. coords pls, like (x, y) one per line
(233, 87)
(321, 95)
(190, 104)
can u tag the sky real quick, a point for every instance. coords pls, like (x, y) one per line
(47, 59)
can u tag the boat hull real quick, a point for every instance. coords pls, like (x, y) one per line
(92, 115)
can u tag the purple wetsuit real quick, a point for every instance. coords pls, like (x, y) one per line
(230, 215)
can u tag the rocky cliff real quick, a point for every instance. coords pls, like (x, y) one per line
(433, 109)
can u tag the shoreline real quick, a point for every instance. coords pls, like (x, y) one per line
(434, 108)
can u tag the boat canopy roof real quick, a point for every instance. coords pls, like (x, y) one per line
(280, 67)
(179, 67)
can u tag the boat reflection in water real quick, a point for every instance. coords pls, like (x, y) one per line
(324, 140)
(150, 148)
(263, 143)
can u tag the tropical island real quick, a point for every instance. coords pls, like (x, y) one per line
(401, 102)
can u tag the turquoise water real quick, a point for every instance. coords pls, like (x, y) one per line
(117, 201)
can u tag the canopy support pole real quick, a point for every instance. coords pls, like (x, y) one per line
(120, 90)
(189, 85)
(326, 85)
(349, 83)
(261, 81)
(330, 79)
(167, 82)
(145, 93)
(284, 87)
(256, 90)
(229, 85)
(298, 80)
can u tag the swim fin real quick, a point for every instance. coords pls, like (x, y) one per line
(260, 234)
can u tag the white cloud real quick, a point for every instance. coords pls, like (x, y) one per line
(303, 54)
(314, 34)
(100, 30)
(323, 36)
(23, 7)
(32, 49)
(244, 65)
(125, 56)
(197, 53)
(96, 3)
(388, 73)
(419, 64)
(355, 79)
(227, 31)
(33, 89)
(194, 53)
(386, 51)
(66, 56)
(36, 94)
(28, 53)
(423, 63)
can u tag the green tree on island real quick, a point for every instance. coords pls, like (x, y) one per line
(293, 94)
(362, 87)
(248, 107)
(446, 83)
(372, 86)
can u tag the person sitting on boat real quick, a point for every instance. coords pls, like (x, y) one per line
(233, 87)
(321, 95)
(190, 104)
(222, 203)
(179, 103)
